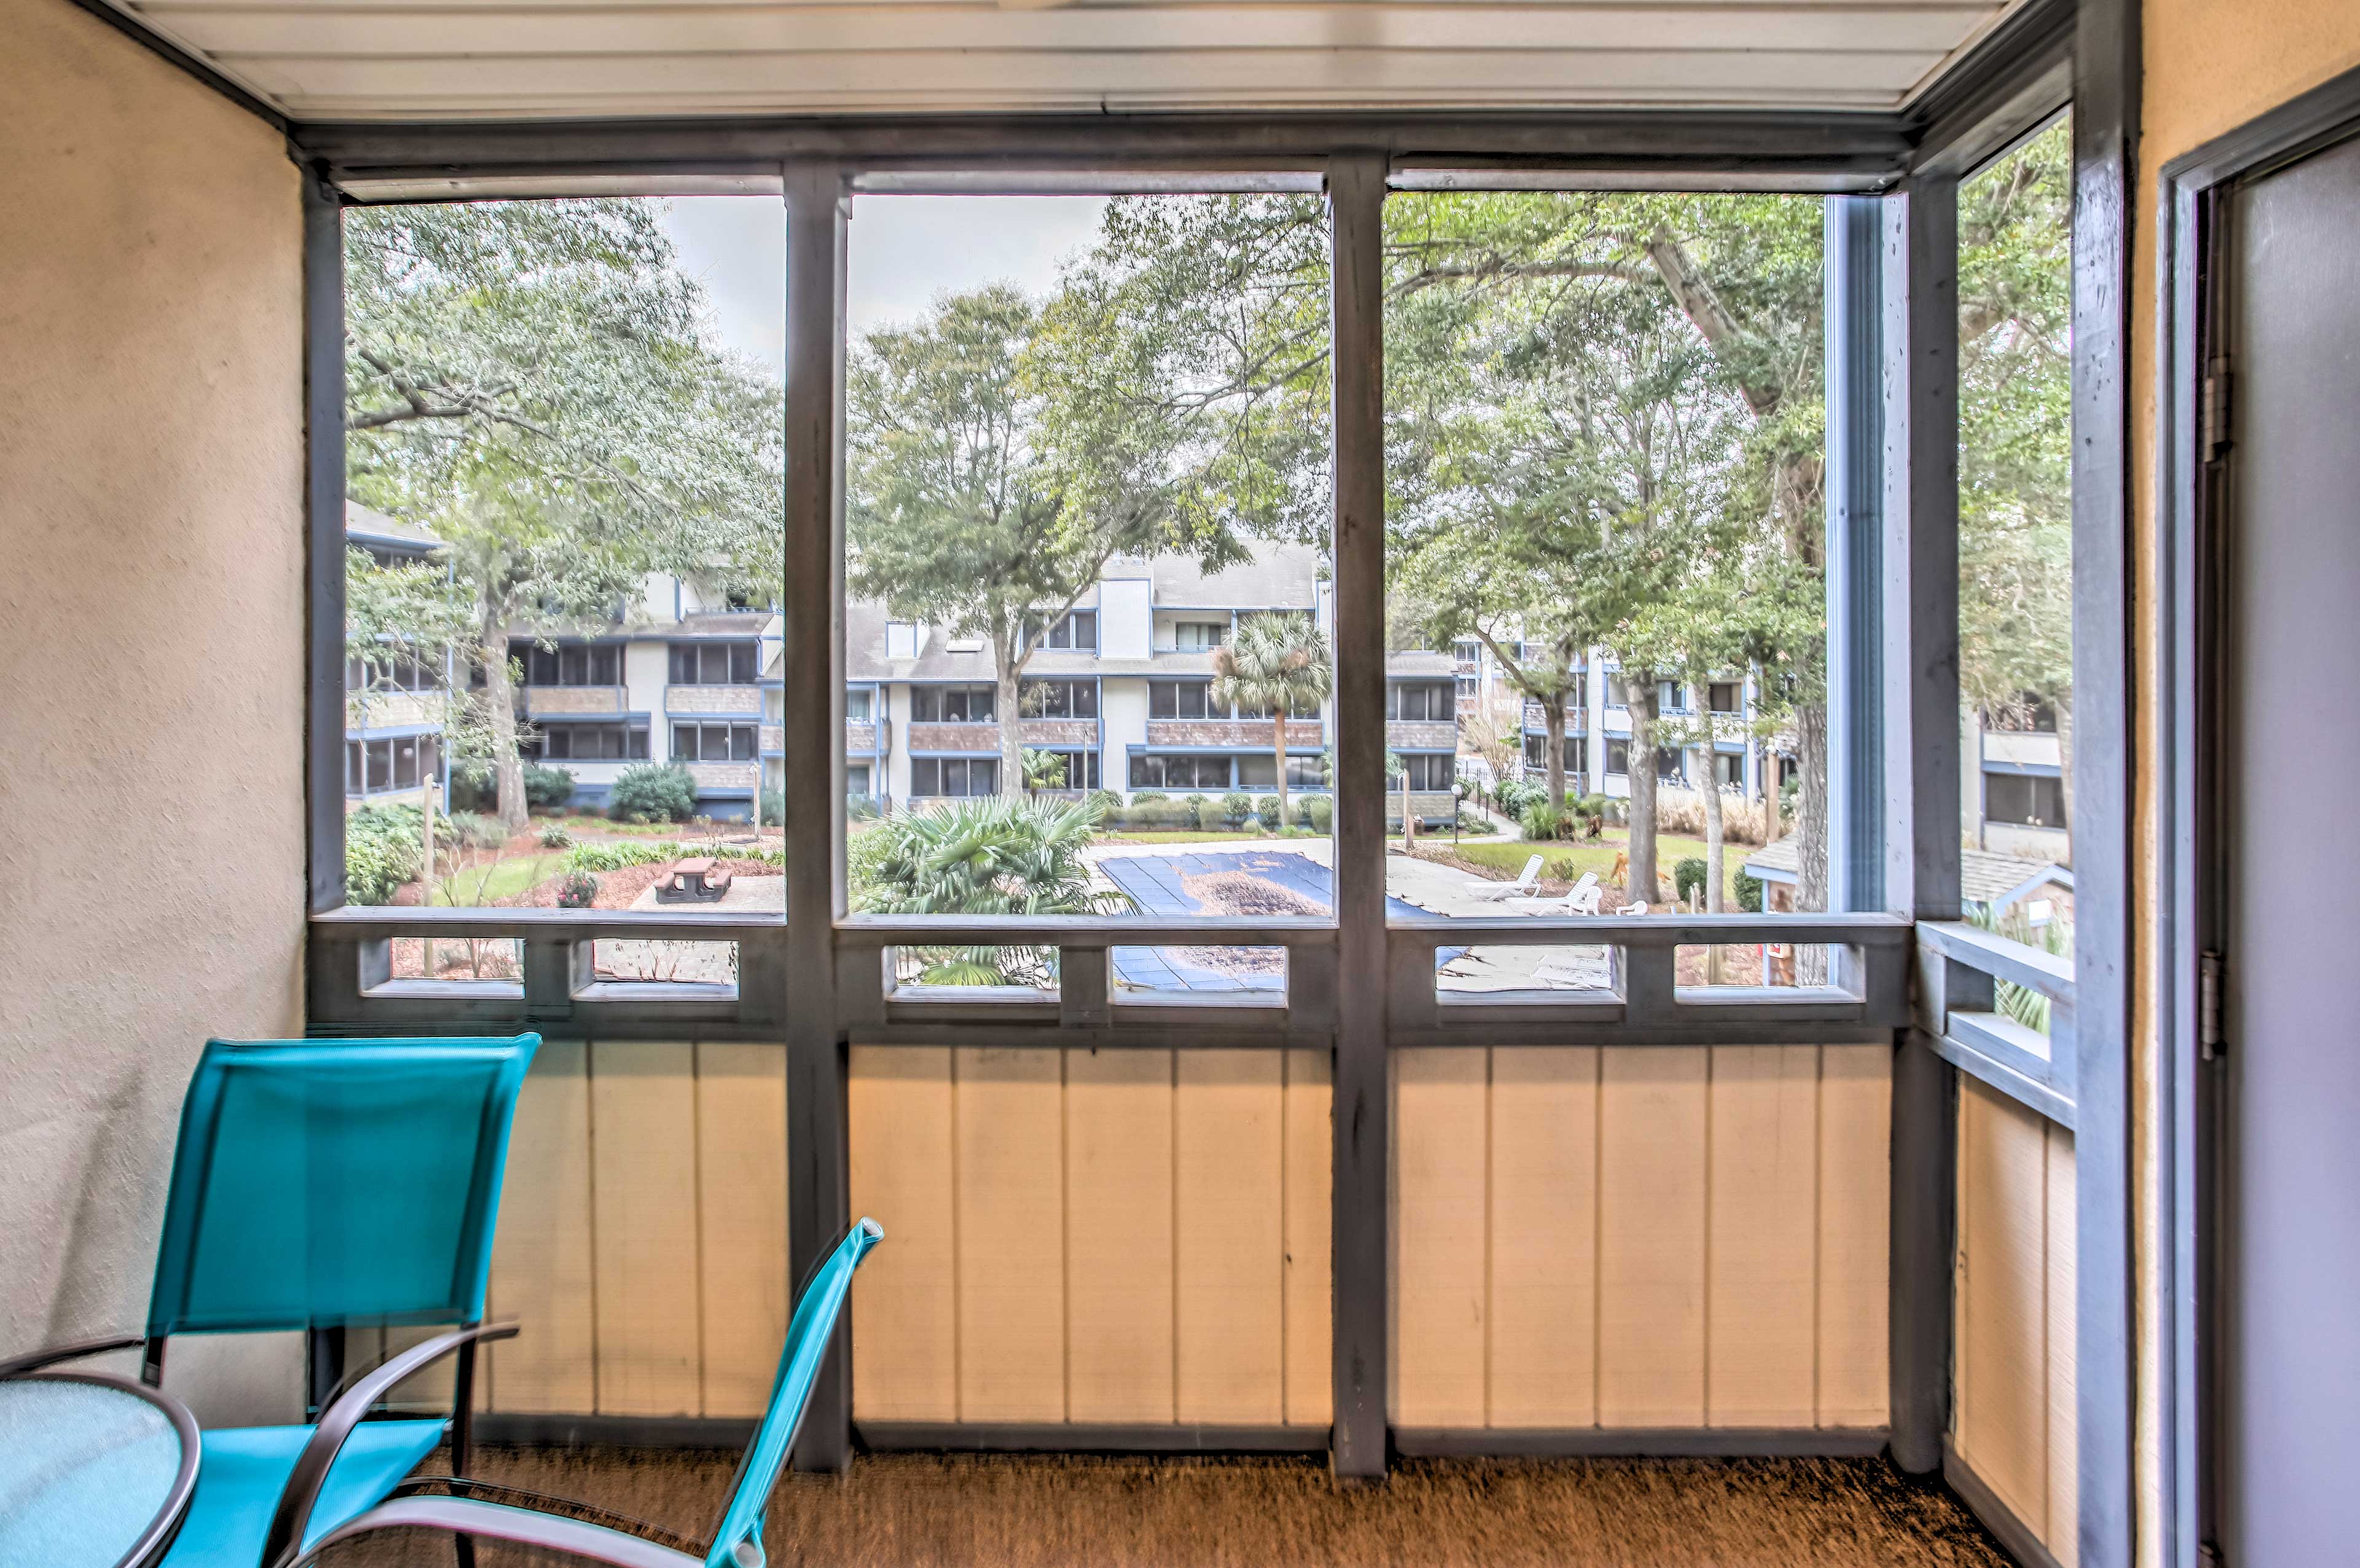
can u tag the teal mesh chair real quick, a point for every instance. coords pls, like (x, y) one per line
(325, 1185)
(474, 1510)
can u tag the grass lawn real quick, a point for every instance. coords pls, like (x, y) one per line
(502, 879)
(1509, 856)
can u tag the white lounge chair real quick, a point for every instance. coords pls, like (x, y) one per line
(1582, 898)
(1527, 883)
(1638, 909)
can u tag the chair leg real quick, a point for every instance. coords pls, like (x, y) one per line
(463, 1437)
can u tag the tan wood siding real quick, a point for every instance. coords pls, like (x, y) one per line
(1128, 1236)
(2013, 1394)
(1636, 1237)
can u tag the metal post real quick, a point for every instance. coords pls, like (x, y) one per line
(1355, 194)
(817, 1181)
(324, 499)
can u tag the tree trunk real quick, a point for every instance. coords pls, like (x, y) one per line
(1278, 719)
(499, 700)
(1011, 729)
(1640, 887)
(1811, 833)
(1553, 715)
(1713, 826)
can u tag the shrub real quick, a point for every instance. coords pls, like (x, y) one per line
(1236, 807)
(613, 856)
(474, 788)
(1323, 812)
(1106, 800)
(1197, 805)
(857, 808)
(1514, 796)
(1147, 797)
(472, 830)
(557, 835)
(652, 792)
(1543, 821)
(1688, 878)
(577, 890)
(547, 788)
(1158, 813)
(1267, 810)
(1748, 888)
(381, 852)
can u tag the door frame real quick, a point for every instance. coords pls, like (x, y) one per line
(2191, 523)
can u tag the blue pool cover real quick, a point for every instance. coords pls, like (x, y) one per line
(1154, 881)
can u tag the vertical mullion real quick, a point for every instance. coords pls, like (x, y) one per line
(817, 1181)
(1355, 194)
(2106, 108)
(323, 489)
(1855, 312)
(1919, 752)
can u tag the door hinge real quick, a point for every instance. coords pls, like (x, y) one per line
(2208, 1004)
(2216, 409)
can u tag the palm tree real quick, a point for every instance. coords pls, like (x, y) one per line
(1276, 662)
(1043, 770)
(993, 856)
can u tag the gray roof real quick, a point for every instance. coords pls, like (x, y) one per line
(373, 527)
(1283, 576)
(1983, 877)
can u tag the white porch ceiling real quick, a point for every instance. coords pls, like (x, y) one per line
(459, 60)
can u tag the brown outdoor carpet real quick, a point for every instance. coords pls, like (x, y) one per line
(977, 1511)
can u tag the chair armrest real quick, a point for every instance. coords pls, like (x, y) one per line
(473, 1520)
(336, 1422)
(17, 1366)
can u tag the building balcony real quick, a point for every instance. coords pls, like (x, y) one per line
(2025, 748)
(1060, 733)
(394, 710)
(1262, 734)
(1576, 720)
(732, 699)
(1419, 734)
(981, 739)
(566, 701)
(723, 775)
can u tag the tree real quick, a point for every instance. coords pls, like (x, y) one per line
(1278, 663)
(960, 512)
(531, 381)
(2016, 499)
(1044, 770)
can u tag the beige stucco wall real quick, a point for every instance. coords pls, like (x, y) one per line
(151, 639)
(2211, 66)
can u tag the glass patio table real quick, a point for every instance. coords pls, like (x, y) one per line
(94, 1470)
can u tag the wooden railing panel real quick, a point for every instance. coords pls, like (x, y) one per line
(645, 1249)
(2012, 1402)
(741, 1221)
(1641, 1237)
(1133, 1238)
(542, 1268)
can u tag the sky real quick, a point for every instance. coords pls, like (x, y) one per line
(904, 251)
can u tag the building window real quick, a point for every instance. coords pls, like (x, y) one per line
(2027, 800)
(1182, 699)
(1150, 771)
(1421, 700)
(402, 762)
(1061, 699)
(1729, 768)
(715, 663)
(959, 776)
(1466, 650)
(1577, 752)
(1671, 697)
(1726, 696)
(856, 779)
(1671, 764)
(2027, 714)
(1077, 629)
(575, 664)
(713, 743)
(1199, 637)
(1430, 769)
(1081, 769)
(391, 671)
(1306, 773)
(950, 705)
(586, 742)
(859, 704)
(1618, 757)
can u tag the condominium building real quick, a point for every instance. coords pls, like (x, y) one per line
(393, 702)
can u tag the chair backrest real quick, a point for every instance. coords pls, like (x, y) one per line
(1532, 870)
(737, 1542)
(326, 1182)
